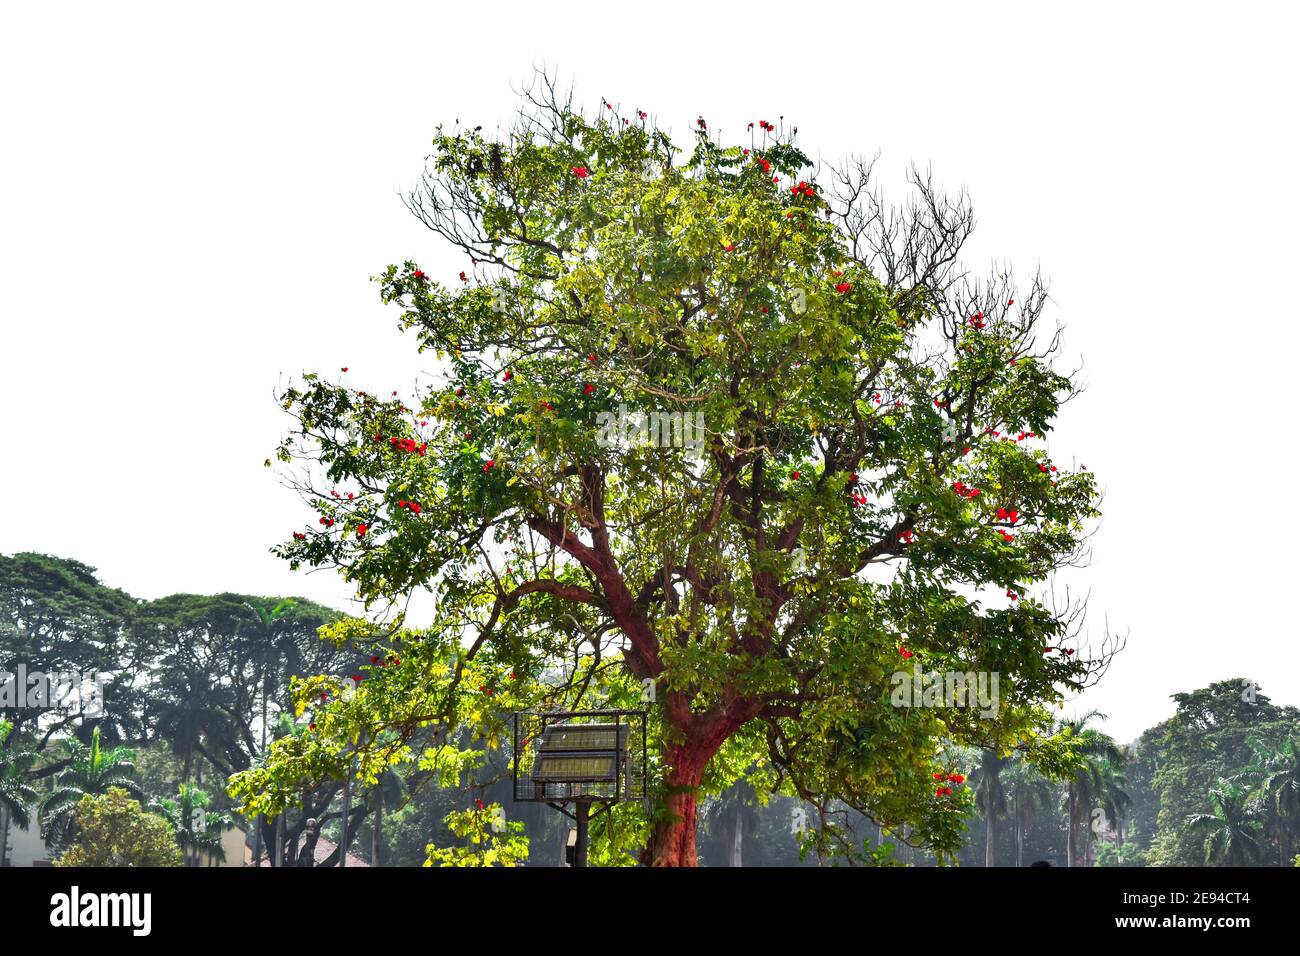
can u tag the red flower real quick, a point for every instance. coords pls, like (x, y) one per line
(843, 287)
(701, 124)
(299, 537)
(374, 659)
(938, 776)
(327, 522)
(419, 275)
(731, 247)
(487, 465)
(463, 277)
(460, 393)
(311, 726)
(1007, 537)
(345, 368)
(356, 678)
(588, 389)
(415, 508)
(904, 653)
(1012, 594)
(362, 529)
(581, 172)
(591, 357)
(794, 475)
(507, 376)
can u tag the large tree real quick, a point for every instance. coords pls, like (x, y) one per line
(871, 488)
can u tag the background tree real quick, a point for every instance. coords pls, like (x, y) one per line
(990, 797)
(873, 471)
(1275, 773)
(1231, 828)
(1031, 795)
(56, 617)
(196, 826)
(1086, 787)
(16, 792)
(113, 830)
(92, 771)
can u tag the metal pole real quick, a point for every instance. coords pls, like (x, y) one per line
(580, 851)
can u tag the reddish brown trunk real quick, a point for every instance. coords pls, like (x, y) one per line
(673, 841)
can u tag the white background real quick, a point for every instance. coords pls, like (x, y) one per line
(192, 201)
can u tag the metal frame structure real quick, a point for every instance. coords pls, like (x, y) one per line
(624, 781)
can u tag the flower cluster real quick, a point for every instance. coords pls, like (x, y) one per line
(965, 492)
(946, 791)
(407, 445)
(411, 506)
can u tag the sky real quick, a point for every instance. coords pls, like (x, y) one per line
(192, 201)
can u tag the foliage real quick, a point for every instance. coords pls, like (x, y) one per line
(196, 827)
(92, 771)
(491, 843)
(764, 587)
(113, 830)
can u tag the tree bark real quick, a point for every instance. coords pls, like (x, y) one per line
(673, 841)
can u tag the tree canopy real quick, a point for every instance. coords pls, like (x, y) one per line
(872, 488)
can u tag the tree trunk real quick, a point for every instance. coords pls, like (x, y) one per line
(734, 857)
(1069, 829)
(990, 833)
(377, 833)
(1020, 832)
(673, 841)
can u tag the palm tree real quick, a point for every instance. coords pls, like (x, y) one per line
(91, 771)
(1087, 787)
(197, 829)
(1031, 793)
(1231, 828)
(991, 797)
(16, 794)
(1103, 788)
(1276, 773)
